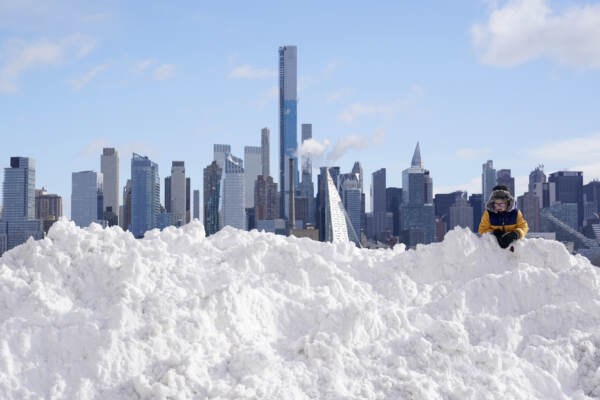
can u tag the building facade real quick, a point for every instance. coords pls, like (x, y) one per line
(145, 195)
(569, 190)
(461, 214)
(48, 208)
(265, 151)
(266, 199)
(234, 212)
(178, 194)
(212, 193)
(488, 181)
(252, 169)
(288, 114)
(87, 198)
(109, 167)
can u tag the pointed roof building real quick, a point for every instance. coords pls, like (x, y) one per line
(416, 160)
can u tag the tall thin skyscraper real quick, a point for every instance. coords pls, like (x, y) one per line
(86, 191)
(306, 187)
(178, 193)
(252, 169)
(188, 202)
(488, 181)
(288, 138)
(196, 204)
(18, 213)
(109, 166)
(212, 192)
(145, 195)
(265, 146)
(126, 217)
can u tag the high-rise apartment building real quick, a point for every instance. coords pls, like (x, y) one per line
(87, 198)
(109, 167)
(252, 169)
(234, 213)
(266, 199)
(145, 195)
(265, 151)
(48, 208)
(488, 181)
(212, 193)
(503, 177)
(288, 138)
(18, 213)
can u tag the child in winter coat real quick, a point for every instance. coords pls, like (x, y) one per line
(502, 218)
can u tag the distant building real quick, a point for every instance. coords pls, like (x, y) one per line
(265, 145)
(475, 200)
(378, 203)
(503, 177)
(188, 200)
(338, 226)
(440, 229)
(167, 193)
(165, 219)
(488, 181)
(417, 213)
(442, 203)
(87, 198)
(536, 176)
(288, 138)
(18, 213)
(569, 189)
(109, 167)
(529, 204)
(178, 191)
(234, 213)
(591, 191)
(252, 169)
(196, 204)
(126, 215)
(461, 214)
(266, 199)
(306, 187)
(301, 210)
(277, 226)
(393, 202)
(48, 208)
(352, 203)
(212, 193)
(546, 193)
(145, 195)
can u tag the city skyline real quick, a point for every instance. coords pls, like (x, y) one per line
(461, 90)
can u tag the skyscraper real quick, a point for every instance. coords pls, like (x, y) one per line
(109, 167)
(461, 214)
(145, 195)
(234, 213)
(536, 176)
(352, 203)
(392, 204)
(569, 189)
(488, 181)
(178, 193)
(168, 208)
(196, 204)
(126, 217)
(417, 213)
(48, 208)
(212, 192)
(188, 202)
(86, 197)
(338, 226)
(252, 169)
(18, 223)
(503, 177)
(378, 203)
(266, 199)
(529, 204)
(265, 148)
(288, 138)
(306, 187)
(475, 200)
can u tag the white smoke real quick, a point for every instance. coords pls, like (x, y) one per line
(321, 153)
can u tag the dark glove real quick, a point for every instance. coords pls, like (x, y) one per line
(498, 233)
(505, 240)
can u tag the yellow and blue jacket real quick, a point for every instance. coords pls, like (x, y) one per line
(507, 221)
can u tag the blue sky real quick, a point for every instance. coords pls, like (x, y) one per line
(512, 81)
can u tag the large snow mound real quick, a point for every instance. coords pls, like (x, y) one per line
(96, 314)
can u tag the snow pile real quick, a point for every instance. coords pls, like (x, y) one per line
(96, 314)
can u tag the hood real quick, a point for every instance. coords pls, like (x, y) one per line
(500, 194)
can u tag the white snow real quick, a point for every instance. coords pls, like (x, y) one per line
(95, 314)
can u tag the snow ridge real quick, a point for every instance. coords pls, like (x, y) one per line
(94, 313)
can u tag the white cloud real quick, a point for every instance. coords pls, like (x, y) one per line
(585, 149)
(471, 153)
(22, 56)
(143, 65)
(94, 148)
(83, 80)
(523, 30)
(248, 72)
(339, 95)
(163, 72)
(347, 143)
(379, 136)
(357, 110)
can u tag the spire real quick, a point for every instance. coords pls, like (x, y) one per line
(416, 160)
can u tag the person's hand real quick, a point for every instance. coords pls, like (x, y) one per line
(505, 240)
(497, 232)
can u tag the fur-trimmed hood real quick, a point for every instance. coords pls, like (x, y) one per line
(500, 194)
